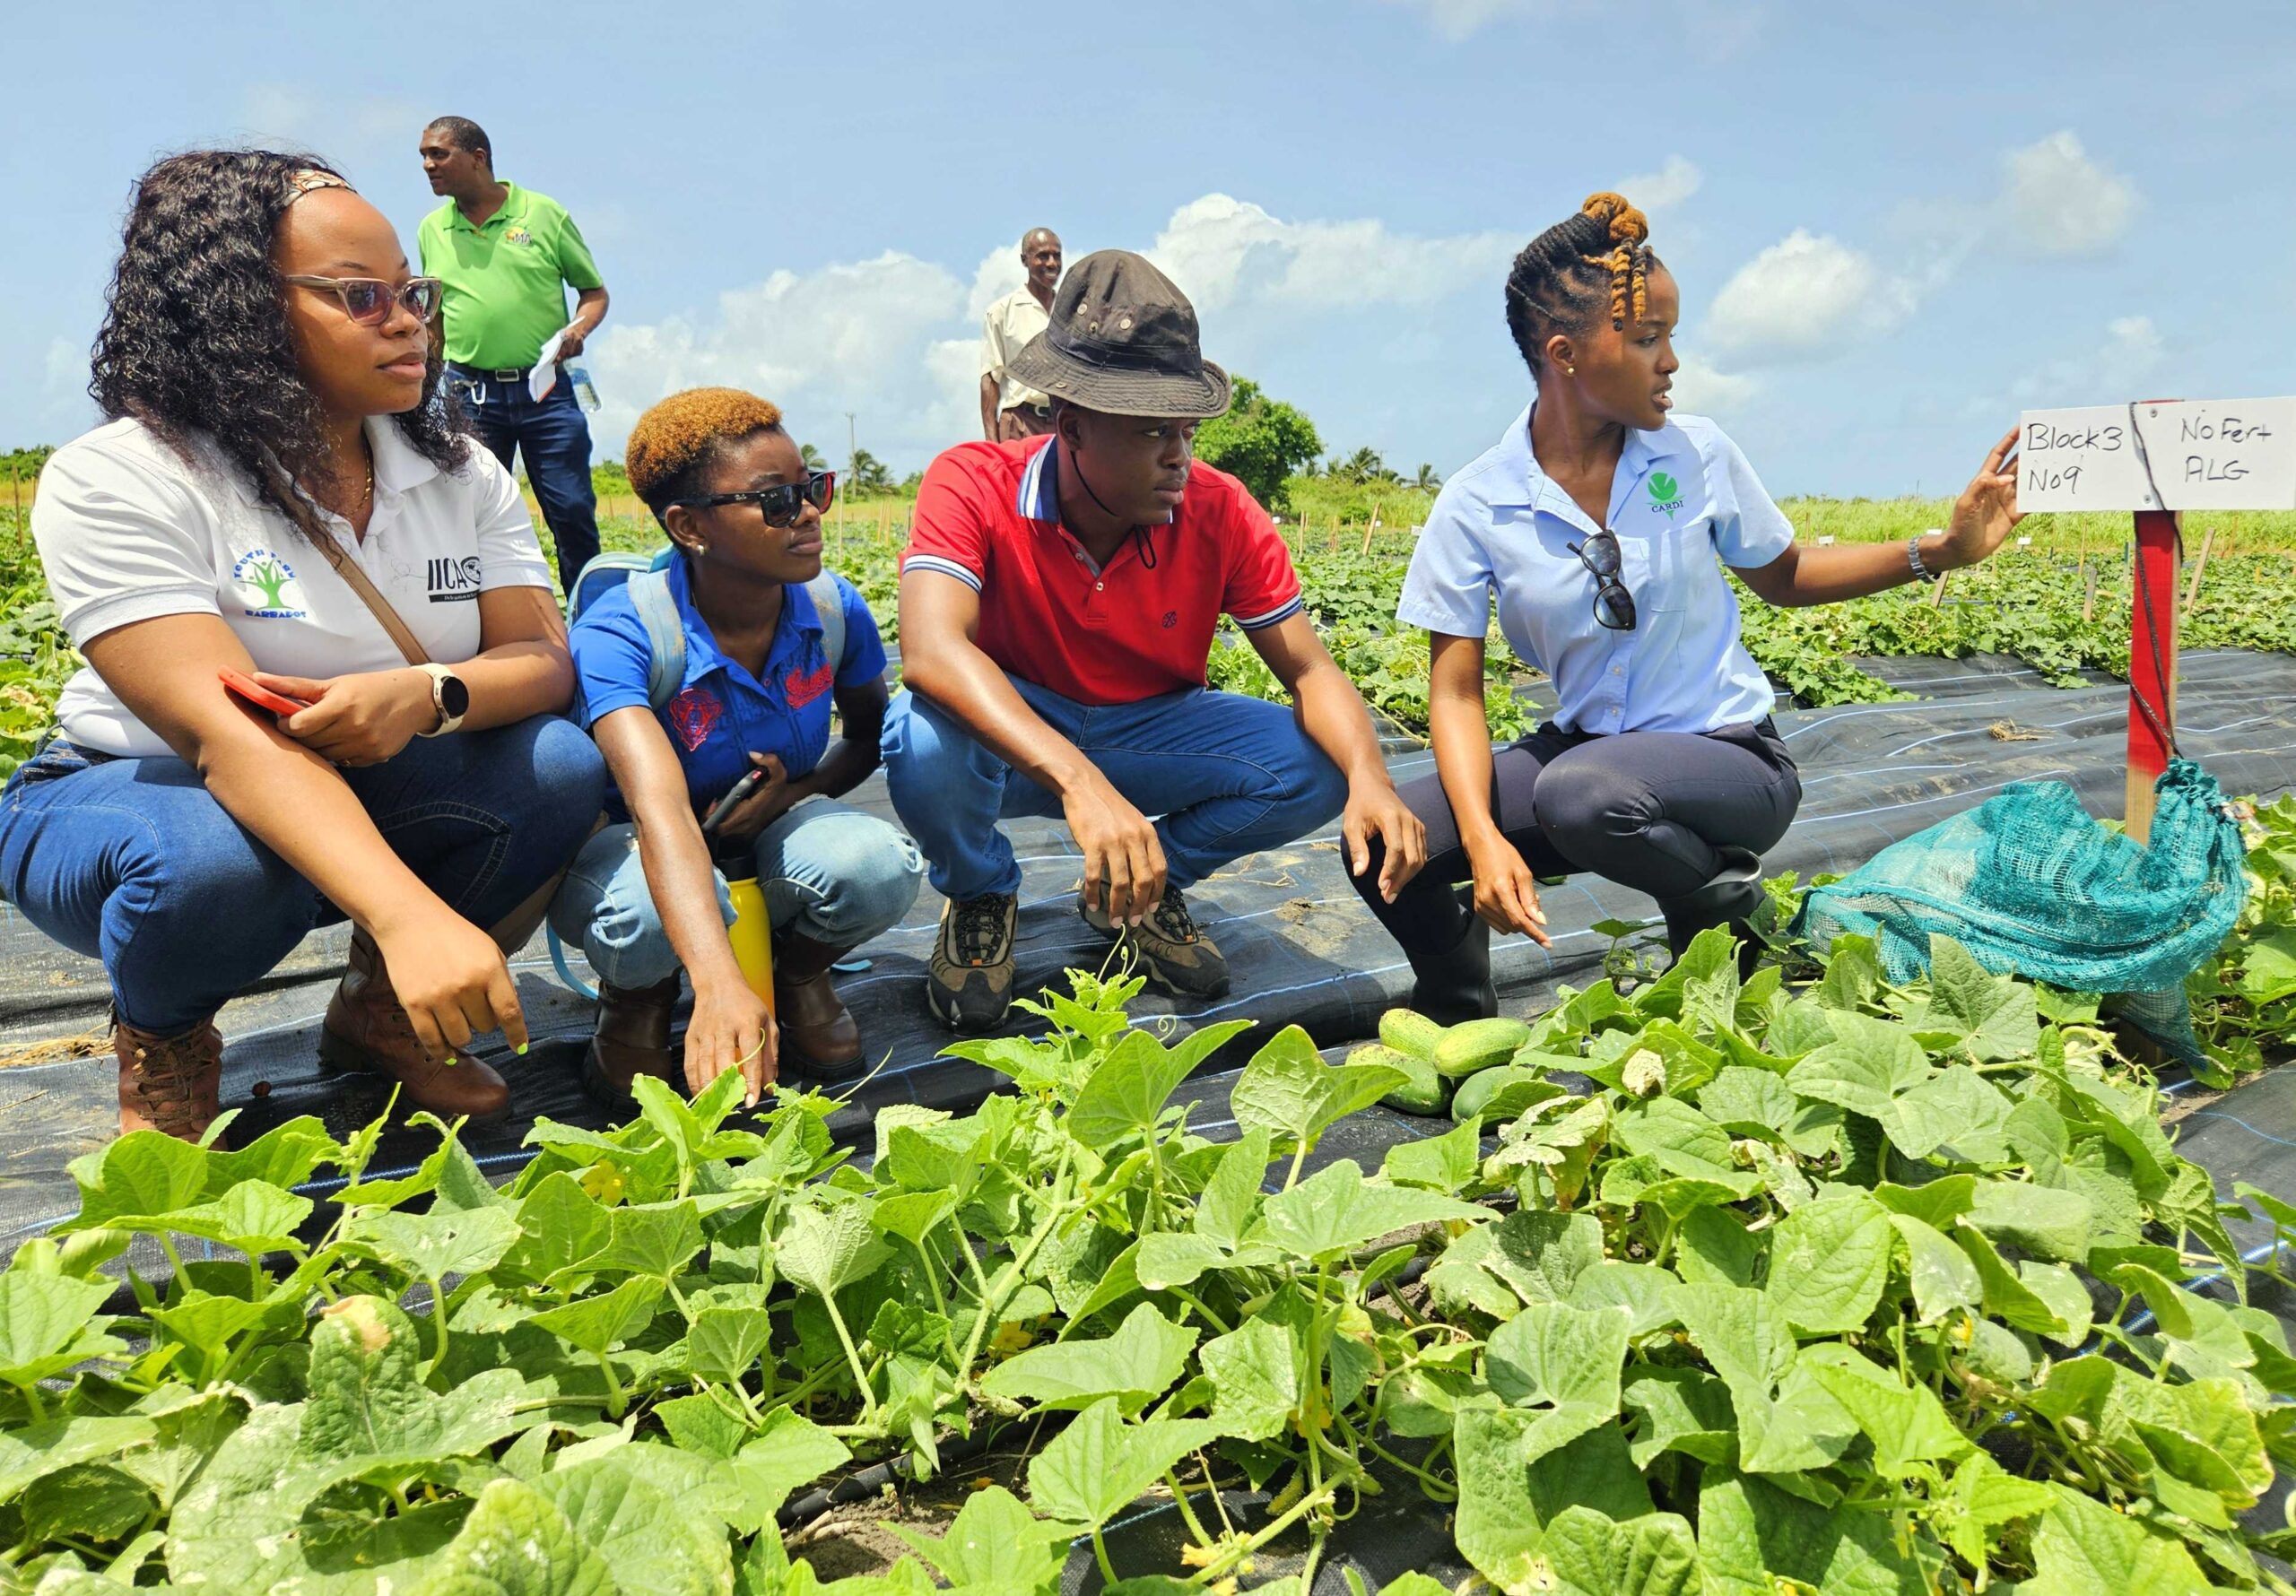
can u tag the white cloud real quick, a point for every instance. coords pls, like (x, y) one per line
(873, 337)
(1224, 251)
(1701, 389)
(999, 273)
(896, 340)
(1668, 186)
(2055, 200)
(1805, 295)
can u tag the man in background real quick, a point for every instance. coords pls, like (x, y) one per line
(1011, 409)
(507, 256)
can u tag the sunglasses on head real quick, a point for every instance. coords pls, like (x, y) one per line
(781, 503)
(1614, 604)
(368, 300)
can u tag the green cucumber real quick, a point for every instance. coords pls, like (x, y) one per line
(1426, 1092)
(1476, 1046)
(1409, 1032)
(1501, 1094)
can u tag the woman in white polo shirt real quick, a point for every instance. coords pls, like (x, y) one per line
(275, 437)
(1596, 523)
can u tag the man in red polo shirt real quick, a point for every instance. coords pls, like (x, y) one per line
(1059, 599)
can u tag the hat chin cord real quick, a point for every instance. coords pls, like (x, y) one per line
(1139, 533)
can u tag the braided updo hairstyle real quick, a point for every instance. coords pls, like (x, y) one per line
(1563, 278)
(195, 337)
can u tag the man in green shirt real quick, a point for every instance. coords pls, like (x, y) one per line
(507, 256)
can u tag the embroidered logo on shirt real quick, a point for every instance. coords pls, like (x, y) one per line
(518, 234)
(453, 581)
(1666, 494)
(1171, 618)
(264, 573)
(805, 686)
(694, 713)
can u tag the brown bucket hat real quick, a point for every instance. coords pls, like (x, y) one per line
(1123, 341)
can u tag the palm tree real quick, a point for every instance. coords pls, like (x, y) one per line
(1426, 482)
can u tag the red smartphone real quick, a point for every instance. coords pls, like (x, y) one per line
(247, 687)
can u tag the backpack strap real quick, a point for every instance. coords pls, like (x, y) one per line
(657, 612)
(829, 606)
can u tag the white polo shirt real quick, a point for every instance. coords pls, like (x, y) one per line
(1011, 325)
(129, 530)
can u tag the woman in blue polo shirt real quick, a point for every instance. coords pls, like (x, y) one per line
(644, 899)
(1600, 524)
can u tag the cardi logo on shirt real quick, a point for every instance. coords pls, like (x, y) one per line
(264, 574)
(1666, 494)
(694, 713)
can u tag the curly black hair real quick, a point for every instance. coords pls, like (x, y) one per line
(194, 338)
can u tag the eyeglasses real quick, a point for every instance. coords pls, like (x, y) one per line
(781, 503)
(1614, 604)
(368, 300)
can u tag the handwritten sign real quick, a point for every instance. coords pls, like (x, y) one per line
(2172, 455)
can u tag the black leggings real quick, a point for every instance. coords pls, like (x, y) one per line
(1645, 809)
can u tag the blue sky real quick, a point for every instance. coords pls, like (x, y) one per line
(1893, 226)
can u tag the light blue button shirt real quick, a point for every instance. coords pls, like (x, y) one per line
(1681, 495)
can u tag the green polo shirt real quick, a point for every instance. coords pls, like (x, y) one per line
(506, 280)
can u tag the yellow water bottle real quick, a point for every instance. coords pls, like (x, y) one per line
(751, 934)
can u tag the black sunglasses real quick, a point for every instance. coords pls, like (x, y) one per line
(1614, 604)
(781, 503)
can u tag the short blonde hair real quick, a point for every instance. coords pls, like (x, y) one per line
(675, 440)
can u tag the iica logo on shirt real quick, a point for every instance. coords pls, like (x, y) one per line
(270, 580)
(1666, 494)
(453, 581)
(518, 234)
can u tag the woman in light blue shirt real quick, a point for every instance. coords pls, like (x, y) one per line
(1600, 524)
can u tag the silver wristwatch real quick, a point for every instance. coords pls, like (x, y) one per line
(450, 696)
(1913, 559)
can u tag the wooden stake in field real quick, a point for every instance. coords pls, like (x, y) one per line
(2088, 592)
(2192, 585)
(1373, 528)
(16, 492)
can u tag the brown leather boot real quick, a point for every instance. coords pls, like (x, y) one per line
(171, 1084)
(819, 1039)
(366, 1030)
(632, 1038)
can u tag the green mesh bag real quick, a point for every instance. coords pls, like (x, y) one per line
(2029, 882)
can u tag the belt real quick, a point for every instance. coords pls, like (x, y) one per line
(497, 374)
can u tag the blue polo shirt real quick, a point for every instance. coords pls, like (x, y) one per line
(1682, 497)
(721, 714)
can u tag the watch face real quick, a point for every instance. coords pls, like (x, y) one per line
(454, 697)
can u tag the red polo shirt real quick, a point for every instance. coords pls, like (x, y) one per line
(988, 515)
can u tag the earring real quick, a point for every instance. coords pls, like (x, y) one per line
(701, 550)
(1571, 371)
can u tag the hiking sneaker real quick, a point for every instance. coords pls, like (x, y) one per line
(1177, 956)
(968, 981)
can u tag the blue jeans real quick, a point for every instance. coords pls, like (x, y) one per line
(554, 437)
(1229, 775)
(133, 861)
(827, 873)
